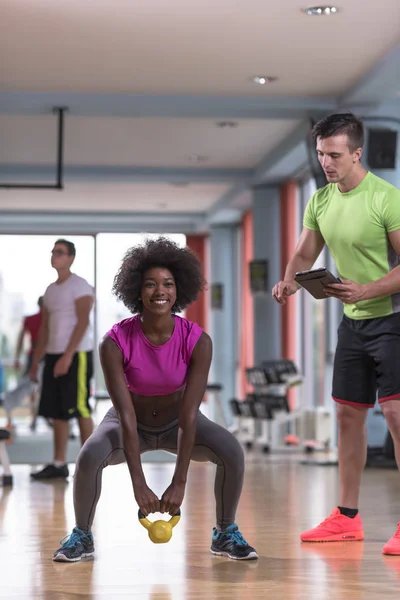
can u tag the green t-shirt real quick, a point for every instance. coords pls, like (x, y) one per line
(355, 227)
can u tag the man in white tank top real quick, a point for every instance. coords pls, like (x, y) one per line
(66, 341)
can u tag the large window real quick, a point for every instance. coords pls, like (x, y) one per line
(25, 272)
(316, 331)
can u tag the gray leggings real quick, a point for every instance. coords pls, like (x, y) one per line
(213, 444)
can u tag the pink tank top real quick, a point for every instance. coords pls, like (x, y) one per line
(155, 370)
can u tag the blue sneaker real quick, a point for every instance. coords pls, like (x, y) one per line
(78, 545)
(232, 544)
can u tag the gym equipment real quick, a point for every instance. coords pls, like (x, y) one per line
(269, 403)
(381, 456)
(264, 418)
(4, 460)
(244, 421)
(160, 532)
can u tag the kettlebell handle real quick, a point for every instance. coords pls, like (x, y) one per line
(141, 515)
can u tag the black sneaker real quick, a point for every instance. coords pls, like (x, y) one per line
(52, 472)
(78, 545)
(232, 544)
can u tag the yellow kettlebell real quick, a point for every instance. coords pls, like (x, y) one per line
(160, 532)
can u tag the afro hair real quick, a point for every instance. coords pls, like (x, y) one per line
(184, 265)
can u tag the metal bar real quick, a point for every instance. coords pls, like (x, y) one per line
(60, 161)
(96, 360)
(60, 146)
(37, 186)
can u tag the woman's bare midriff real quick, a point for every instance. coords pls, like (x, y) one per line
(156, 411)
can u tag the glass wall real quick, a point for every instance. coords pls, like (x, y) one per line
(317, 328)
(25, 272)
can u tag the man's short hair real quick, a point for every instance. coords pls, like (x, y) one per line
(341, 124)
(70, 246)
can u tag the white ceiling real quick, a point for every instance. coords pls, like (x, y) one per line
(175, 51)
(140, 142)
(106, 197)
(181, 47)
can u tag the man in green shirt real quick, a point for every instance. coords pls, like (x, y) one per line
(357, 215)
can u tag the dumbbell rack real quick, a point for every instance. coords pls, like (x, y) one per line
(271, 413)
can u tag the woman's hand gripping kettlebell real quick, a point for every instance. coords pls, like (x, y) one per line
(146, 499)
(172, 498)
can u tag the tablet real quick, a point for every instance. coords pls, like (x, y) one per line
(315, 280)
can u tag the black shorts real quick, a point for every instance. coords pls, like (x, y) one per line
(67, 396)
(367, 360)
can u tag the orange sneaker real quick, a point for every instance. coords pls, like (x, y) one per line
(336, 528)
(393, 545)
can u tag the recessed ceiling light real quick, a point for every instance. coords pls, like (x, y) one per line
(227, 124)
(263, 79)
(319, 11)
(197, 158)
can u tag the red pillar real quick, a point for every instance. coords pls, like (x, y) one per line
(197, 312)
(247, 306)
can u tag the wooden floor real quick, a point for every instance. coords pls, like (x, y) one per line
(280, 499)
